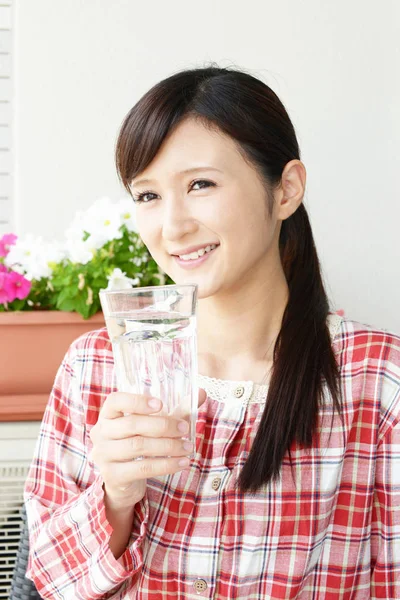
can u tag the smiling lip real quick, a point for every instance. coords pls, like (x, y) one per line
(192, 263)
(192, 249)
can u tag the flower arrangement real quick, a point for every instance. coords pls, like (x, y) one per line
(101, 250)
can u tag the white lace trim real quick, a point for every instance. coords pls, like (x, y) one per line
(248, 392)
(224, 390)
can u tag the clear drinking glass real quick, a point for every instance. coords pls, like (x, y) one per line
(154, 339)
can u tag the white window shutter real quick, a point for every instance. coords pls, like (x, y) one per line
(6, 101)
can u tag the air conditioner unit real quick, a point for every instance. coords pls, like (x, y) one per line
(17, 443)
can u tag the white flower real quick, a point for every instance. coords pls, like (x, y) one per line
(17, 268)
(102, 221)
(33, 256)
(78, 252)
(55, 251)
(127, 213)
(118, 281)
(75, 231)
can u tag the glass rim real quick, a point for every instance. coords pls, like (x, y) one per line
(149, 288)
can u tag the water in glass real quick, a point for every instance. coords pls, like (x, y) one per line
(156, 355)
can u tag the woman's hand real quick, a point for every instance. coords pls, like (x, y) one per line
(129, 427)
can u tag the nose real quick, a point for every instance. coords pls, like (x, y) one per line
(177, 220)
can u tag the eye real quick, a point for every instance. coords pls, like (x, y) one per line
(204, 183)
(141, 197)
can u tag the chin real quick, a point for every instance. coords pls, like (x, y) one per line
(205, 289)
(208, 282)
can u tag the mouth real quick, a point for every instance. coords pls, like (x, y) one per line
(191, 261)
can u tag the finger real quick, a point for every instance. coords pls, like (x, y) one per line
(202, 397)
(151, 426)
(127, 472)
(130, 448)
(119, 403)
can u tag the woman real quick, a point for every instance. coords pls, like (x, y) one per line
(293, 489)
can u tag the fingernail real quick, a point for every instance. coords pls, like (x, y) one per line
(184, 462)
(154, 403)
(183, 426)
(188, 446)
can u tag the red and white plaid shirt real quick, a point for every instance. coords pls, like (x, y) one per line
(333, 533)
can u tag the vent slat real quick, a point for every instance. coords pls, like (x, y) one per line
(12, 479)
(12, 536)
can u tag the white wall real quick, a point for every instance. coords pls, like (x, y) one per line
(81, 65)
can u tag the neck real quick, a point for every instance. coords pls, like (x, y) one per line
(237, 330)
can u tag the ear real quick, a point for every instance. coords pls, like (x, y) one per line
(291, 190)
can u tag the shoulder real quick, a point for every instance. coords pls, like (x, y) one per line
(91, 342)
(88, 350)
(91, 348)
(369, 362)
(90, 359)
(361, 341)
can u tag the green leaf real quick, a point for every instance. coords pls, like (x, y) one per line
(66, 293)
(68, 304)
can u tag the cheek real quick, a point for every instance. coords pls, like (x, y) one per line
(225, 220)
(150, 231)
(248, 236)
(237, 224)
(146, 229)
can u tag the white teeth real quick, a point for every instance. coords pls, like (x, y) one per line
(198, 253)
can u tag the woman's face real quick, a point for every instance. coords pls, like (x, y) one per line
(200, 192)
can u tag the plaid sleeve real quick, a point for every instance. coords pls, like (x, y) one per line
(69, 533)
(385, 522)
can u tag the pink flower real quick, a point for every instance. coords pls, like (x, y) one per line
(3, 268)
(18, 286)
(6, 242)
(4, 290)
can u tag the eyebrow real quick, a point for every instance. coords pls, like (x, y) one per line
(184, 172)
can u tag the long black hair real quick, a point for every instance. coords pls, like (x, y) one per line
(245, 108)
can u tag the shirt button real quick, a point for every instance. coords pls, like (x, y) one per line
(239, 391)
(200, 585)
(216, 482)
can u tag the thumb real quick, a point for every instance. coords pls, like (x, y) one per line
(202, 397)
